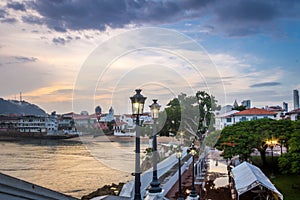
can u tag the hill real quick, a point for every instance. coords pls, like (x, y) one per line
(20, 108)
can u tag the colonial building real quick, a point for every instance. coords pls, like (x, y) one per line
(294, 114)
(253, 114)
(29, 123)
(234, 117)
(225, 119)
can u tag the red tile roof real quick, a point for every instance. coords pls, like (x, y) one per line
(254, 111)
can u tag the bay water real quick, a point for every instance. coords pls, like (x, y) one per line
(74, 167)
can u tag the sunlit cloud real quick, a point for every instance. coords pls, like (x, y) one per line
(43, 54)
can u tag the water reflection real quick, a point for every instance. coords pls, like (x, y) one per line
(73, 167)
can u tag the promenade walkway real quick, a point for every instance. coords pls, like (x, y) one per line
(215, 180)
(163, 167)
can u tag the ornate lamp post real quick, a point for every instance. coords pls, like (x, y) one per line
(137, 102)
(179, 155)
(193, 152)
(272, 143)
(155, 182)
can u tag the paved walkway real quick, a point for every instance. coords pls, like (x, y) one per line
(215, 177)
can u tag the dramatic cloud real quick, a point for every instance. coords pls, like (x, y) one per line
(230, 18)
(266, 84)
(23, 59)
(61, 41)
(16, 6)
(3, 13)
(9, 20)
(17, 59)
(31, 19)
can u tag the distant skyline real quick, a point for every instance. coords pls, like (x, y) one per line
(254, 48)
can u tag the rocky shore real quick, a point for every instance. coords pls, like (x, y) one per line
(113, 189)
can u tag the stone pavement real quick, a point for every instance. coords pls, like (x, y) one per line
(216, 178)
(186, 185)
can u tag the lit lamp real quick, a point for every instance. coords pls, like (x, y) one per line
(179, 155)
(193, 152)
(272, 143)
(181, 133)
(155, 182)
(137, 102)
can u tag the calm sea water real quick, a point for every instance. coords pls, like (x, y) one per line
(75, 167)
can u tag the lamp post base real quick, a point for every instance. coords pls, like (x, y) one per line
(155, 196)
(192, 198)
(155, 187)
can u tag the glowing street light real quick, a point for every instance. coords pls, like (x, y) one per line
(137, 102)
(193, 152)
(272, 143)
(179, 155)
(155, 182)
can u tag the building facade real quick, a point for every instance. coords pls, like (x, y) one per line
(234, 117)
(246, 103)
(294, 114)
(285, 106)
(296, 99)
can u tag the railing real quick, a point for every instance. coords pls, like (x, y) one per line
(170, 183)
(162, 168)
(13, 188)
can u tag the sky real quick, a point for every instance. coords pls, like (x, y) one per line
(72, 55)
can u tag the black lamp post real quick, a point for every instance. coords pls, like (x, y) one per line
(155, 182)
(193, 152)
(137, 102)
(272, 143)
(179, 155)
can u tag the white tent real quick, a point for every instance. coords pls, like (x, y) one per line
(247, 177)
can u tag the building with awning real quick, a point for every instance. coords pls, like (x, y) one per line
(248, 177)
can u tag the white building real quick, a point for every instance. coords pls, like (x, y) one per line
(234, 117)
(294, 114)
(253, 114)
(125, 124)
(225, 119)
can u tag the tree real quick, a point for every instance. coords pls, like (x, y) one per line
(170, 122)
(236, 140)
(191, 114)
(207, 104)
(244, 137)
(239, 108)
(290, 162)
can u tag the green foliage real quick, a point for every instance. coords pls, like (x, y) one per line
(191, 114)
(244, 137)
(290, 162)
(288, 185)
(239, 108)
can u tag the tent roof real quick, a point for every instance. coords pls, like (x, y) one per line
(247, 176)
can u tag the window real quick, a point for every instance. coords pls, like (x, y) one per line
(242, 119)
(228, 119)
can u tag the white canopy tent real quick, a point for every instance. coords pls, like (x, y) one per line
(247, 177)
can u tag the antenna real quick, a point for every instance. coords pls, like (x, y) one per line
(20, 96)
